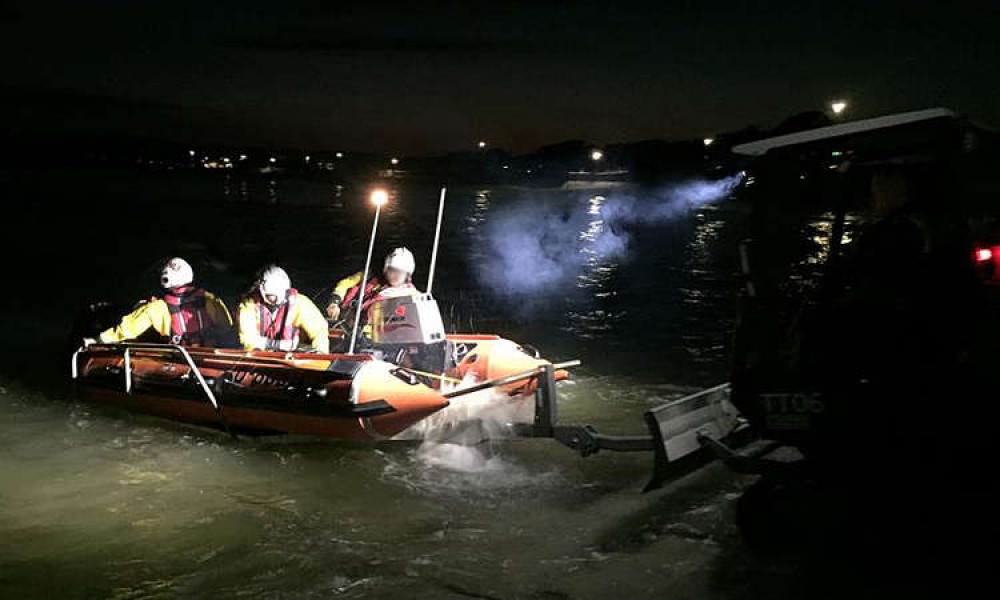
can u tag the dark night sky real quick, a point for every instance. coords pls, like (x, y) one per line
(429, 77)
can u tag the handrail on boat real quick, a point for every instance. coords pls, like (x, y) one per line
(164, 347)
(190, 361)
(167, 348)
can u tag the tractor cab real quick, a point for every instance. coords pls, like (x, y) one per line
(872, 257)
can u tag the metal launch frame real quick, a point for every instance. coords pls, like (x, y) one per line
(683, 434)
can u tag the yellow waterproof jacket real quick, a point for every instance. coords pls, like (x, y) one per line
(155, 314)
(344, 285)
(305, 317)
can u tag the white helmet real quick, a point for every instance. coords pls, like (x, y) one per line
(274, 281)
(175, 273)
(401, 259)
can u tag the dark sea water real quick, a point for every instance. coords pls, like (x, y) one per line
(97, 503)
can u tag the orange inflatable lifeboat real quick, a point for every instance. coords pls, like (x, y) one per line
(375, 394)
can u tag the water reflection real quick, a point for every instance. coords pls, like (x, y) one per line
(706, 232)
(597, 278)
(272, 191)
(820, 230)
(480, 208)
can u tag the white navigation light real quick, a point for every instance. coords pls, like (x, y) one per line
(708, 141)
(596, 155)
(379, 197)
(838, 106)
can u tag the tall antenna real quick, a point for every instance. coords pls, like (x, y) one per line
(437, 240)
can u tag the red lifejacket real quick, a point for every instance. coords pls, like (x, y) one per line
(277, 326)
(188, 317)
(373, 293)
(372, 288)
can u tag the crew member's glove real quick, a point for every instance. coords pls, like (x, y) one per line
(333, 311)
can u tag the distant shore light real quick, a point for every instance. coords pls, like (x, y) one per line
(708, 141)
(394, 161)
(596, 155)
(379, 197)
(482, 143)
(340, 155)
(838, 106)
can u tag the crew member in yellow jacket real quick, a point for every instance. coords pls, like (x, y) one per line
(274, 316)
(186, 315)
(396, 280)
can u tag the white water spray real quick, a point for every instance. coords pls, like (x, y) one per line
(463, 436)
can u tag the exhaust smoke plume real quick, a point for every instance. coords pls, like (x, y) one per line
(535, 247)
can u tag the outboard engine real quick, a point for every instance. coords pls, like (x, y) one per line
(407, 320)
(408, 331)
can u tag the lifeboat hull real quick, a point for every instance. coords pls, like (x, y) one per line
(336, 396)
